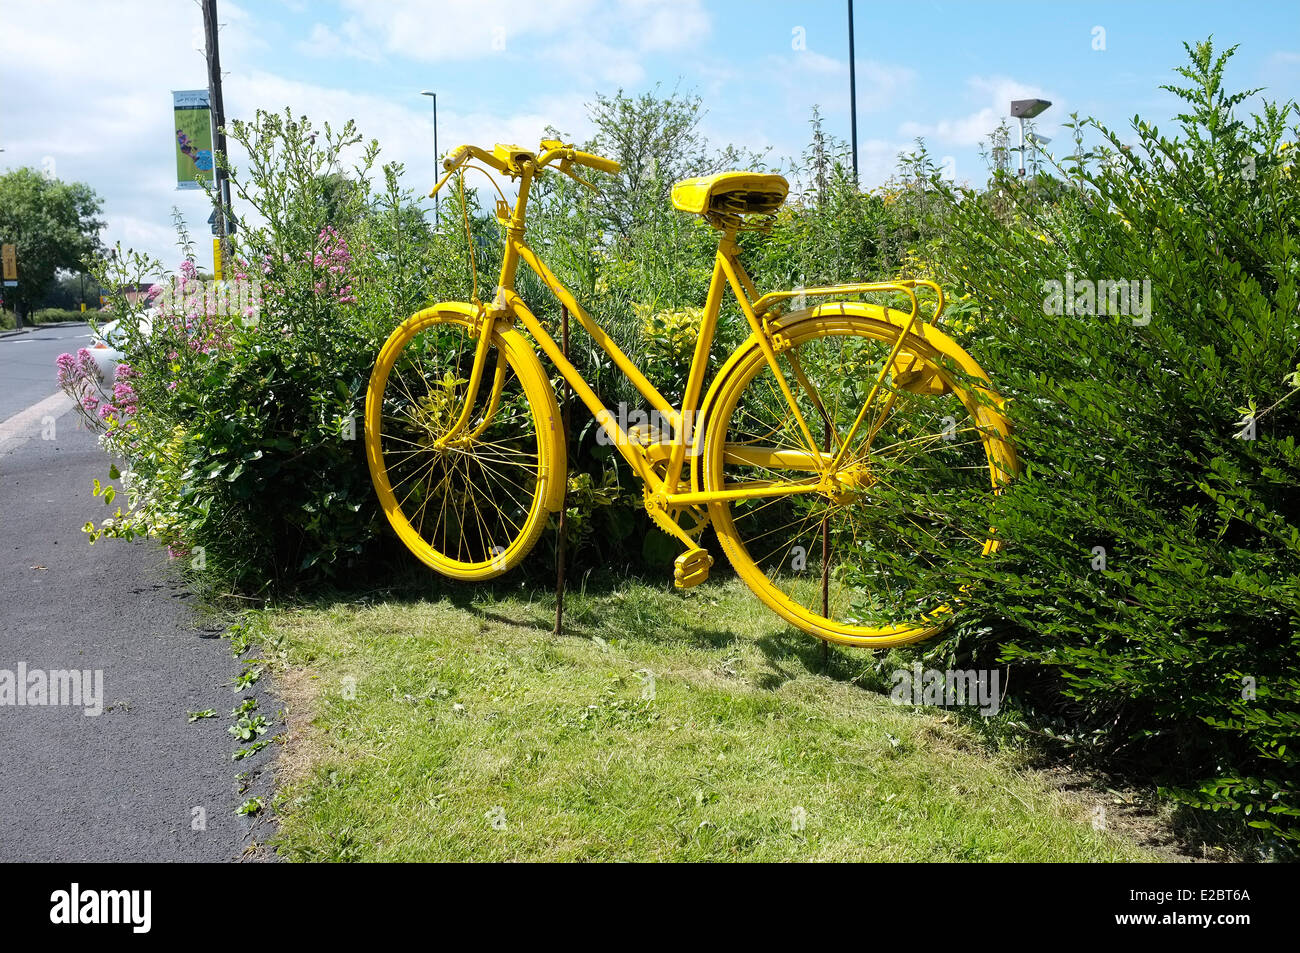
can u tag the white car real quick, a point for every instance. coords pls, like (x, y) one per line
(106, 346)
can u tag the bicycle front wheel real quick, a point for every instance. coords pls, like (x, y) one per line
(470, 506)
(842, 563)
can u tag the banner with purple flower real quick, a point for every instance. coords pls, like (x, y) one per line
(193, 140)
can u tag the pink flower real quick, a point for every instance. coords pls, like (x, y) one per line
(86, 366)
(66, 366)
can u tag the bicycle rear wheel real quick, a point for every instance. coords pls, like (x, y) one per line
(841, 562)
(473, 506)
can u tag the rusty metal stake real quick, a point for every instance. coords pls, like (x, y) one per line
(564, 418)
(826, 565)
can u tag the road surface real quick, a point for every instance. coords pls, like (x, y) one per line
(137, 781)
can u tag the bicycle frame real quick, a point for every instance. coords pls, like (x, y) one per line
(642, 457)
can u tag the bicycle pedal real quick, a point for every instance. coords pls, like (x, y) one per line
(691, 568)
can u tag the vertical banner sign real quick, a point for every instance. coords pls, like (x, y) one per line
(9, 255)
(216, 258)
(193, 141)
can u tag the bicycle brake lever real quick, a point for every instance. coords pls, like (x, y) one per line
(565, 168)
(441, 183)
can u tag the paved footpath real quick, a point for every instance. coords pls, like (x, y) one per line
(123, 785)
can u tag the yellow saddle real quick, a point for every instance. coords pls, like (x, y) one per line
(730, 194)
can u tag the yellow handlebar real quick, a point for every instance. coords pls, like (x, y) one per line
(506, 160)
(596, 162)
(462, 153)
(455, 157)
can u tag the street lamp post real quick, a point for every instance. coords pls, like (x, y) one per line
(1023, 109)
(853, 97)
(437, 219)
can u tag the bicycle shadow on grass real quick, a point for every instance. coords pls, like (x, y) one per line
(792, 652)
(595, 608)
(594, 603)
(602, 604)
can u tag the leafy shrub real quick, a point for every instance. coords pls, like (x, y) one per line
(245, 447)
(55, 315)
(1152, 581)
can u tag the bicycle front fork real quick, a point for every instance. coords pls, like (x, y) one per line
(487, 324)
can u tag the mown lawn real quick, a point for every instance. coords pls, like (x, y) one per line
(659, 727)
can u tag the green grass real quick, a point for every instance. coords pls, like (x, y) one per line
(413, 724)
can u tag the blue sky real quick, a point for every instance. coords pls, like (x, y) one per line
(85, 86)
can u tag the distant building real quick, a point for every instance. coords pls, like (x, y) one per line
(135, 294)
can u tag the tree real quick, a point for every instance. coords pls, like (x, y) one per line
(70, 288)
(657, 141)
(54, 225)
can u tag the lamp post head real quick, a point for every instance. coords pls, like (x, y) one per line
(1027, 108)
(427, 92)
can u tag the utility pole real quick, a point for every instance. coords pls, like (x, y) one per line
(221, 181)
(853, 97)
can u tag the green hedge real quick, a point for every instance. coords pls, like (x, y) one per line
(56, 315)
(1150, 591)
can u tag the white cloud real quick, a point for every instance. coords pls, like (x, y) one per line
(825, 80)
(667, 25)
(96, 101)
(591, 62)
(470, 29)
(588, 41)
(405, 133)
(323, 42)
(969, 130)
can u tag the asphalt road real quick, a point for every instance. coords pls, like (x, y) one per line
(27, 363)
(123, 785)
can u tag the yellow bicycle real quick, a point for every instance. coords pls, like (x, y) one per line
(810, 454)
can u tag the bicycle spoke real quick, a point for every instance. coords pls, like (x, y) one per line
(466, 494)
(837, 553)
